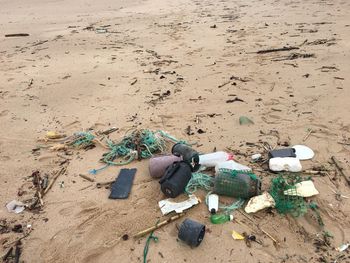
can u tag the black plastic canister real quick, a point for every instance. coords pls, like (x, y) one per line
(191, 232)
(188, 155)
(175, 179)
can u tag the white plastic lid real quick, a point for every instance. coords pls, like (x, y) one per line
(231, 217)
(303, 152)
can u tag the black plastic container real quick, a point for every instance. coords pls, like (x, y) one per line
(175, 179)
(191, 232)
(188, 155)
(287, 152)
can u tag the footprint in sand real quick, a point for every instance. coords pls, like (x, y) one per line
(4, 113)
(5, 158)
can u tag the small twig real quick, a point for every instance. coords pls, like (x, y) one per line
(243, 224)
(315, 172)
(87, 178)
(17, 35)
(86, 187)
(62, 171)
(275, 241)
(223, 84)
(239, 79)
(19, 239)
(108, 131)
(276, 50)
(7, 255)
(39, 43)
(291, 64)
(308, 134)
(40, 198)
(344, 143)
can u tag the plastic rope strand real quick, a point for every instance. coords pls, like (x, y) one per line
(235, 205)
(199, 181)
(149, 238)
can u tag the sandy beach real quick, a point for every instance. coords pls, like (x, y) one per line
(190, 68)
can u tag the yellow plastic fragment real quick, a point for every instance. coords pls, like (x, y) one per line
(237, 236)
(53, 135)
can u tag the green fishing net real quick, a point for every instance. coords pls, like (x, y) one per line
(291, 203)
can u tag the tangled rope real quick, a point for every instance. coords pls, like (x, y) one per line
(200, 181)
(139, 144)
(83, 139)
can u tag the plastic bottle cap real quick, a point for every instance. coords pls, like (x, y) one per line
(213, 211)
(230, 157)
(231, 217)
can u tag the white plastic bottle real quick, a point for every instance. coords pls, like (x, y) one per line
(212, 159)
(231, 165)
(213, 203)
(288, 164)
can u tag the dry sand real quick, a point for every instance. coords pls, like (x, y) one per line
(66, 77)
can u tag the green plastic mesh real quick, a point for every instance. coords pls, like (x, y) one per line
(287, 204)
(243, 184)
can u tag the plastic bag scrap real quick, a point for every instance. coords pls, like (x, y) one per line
(343, 247)
(167, 206)
(15, 206)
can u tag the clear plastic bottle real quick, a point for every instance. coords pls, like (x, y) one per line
(220, 218)
(212, 159)
(231, 165)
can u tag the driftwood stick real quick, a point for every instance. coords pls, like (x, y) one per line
(158, 225)
(271, 237)
(276, 50)
(340, 169)
(17, 35)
